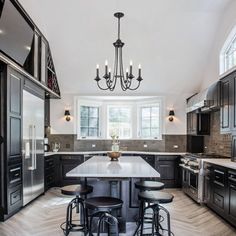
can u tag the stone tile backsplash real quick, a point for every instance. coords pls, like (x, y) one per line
(217, 142)
(169, 143)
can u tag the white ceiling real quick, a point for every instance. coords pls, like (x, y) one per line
(172, 39)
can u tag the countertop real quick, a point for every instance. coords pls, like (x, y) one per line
(124, 152)
(125, 167)
(222, 162)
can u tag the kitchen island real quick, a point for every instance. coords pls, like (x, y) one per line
(113, 178)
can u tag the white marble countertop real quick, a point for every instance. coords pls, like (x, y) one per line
(102, 167)
(222, 162)
(125, 152)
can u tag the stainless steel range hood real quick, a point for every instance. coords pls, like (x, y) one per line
(206, 100)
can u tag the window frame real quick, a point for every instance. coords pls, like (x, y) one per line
(78, 123)
(127, 105)
(157, 102)
(223, 53)
(98, 101)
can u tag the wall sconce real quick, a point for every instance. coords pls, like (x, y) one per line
(171, 115)
(67, 115)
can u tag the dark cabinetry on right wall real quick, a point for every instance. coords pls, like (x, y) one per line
(228, 108)
(220, 191)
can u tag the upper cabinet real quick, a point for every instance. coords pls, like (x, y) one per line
(198, 123)
(228, 103)
(26, 49)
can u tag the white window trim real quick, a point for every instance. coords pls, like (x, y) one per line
(158, 102)
(118, 104)
(103, 116)
(222, 57)
(80, 103)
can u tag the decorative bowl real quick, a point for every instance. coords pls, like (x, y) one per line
(114, 155)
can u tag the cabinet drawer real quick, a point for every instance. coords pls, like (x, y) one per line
(218, 200)
(50, 179)
(15, 173)
(14, 198)
(49, 163)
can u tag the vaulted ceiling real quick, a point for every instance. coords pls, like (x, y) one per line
(172, 39)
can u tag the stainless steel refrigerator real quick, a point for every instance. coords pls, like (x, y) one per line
(33, 146)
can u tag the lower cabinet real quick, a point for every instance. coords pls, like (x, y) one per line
(56, 168)
(232, 197)
(170, 172)
(220, 192)
(67, 163)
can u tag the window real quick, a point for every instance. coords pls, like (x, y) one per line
(228, 53)
(89, 121)
(119, 121)
(149, 116)
(134, 117)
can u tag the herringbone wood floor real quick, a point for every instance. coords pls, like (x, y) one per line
(44, 215)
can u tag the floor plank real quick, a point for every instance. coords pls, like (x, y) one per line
(44, 216)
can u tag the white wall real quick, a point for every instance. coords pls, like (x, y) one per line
(225, 25)
(60, 126)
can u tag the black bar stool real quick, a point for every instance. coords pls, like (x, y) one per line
(153, 199)
(102, 207)
(149, 185)
(77, 203)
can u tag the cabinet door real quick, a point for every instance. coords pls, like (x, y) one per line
(233, 91)
(47, 113)
(43, 59)
(169, 170)
(203, 124)
(14, 108)
(225, 106)
(67, 164)
(232, 196)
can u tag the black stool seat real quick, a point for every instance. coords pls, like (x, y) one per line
(149, 185)
(100, 203)
(76, 190)
(155, 197)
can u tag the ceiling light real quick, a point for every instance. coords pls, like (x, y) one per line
(126, 79)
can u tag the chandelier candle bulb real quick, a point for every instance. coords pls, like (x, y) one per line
(127, 73)
(106, 67)
(97, 69)
(130, 67)
(139, 70)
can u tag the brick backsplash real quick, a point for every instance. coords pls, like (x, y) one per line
(217, 142)
(169, 143)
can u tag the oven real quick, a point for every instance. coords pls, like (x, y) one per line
(190, 179)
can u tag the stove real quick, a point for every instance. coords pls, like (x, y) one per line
(193, 174)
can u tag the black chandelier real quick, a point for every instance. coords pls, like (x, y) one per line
(118, 72)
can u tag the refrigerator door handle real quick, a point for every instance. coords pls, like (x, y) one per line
(35, 148)
(31, 151)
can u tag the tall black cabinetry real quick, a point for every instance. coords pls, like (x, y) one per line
(11, 136)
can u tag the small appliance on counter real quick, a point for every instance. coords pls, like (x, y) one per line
(46, 145)
(56, 146)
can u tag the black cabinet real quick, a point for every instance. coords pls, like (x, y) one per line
(228, 103)
(47, 113)
(232, 196)
(51, 174)
(198, 123)
(67, 163)
(226, 100)
(220, 191)
(11, 83)
(170, 172)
